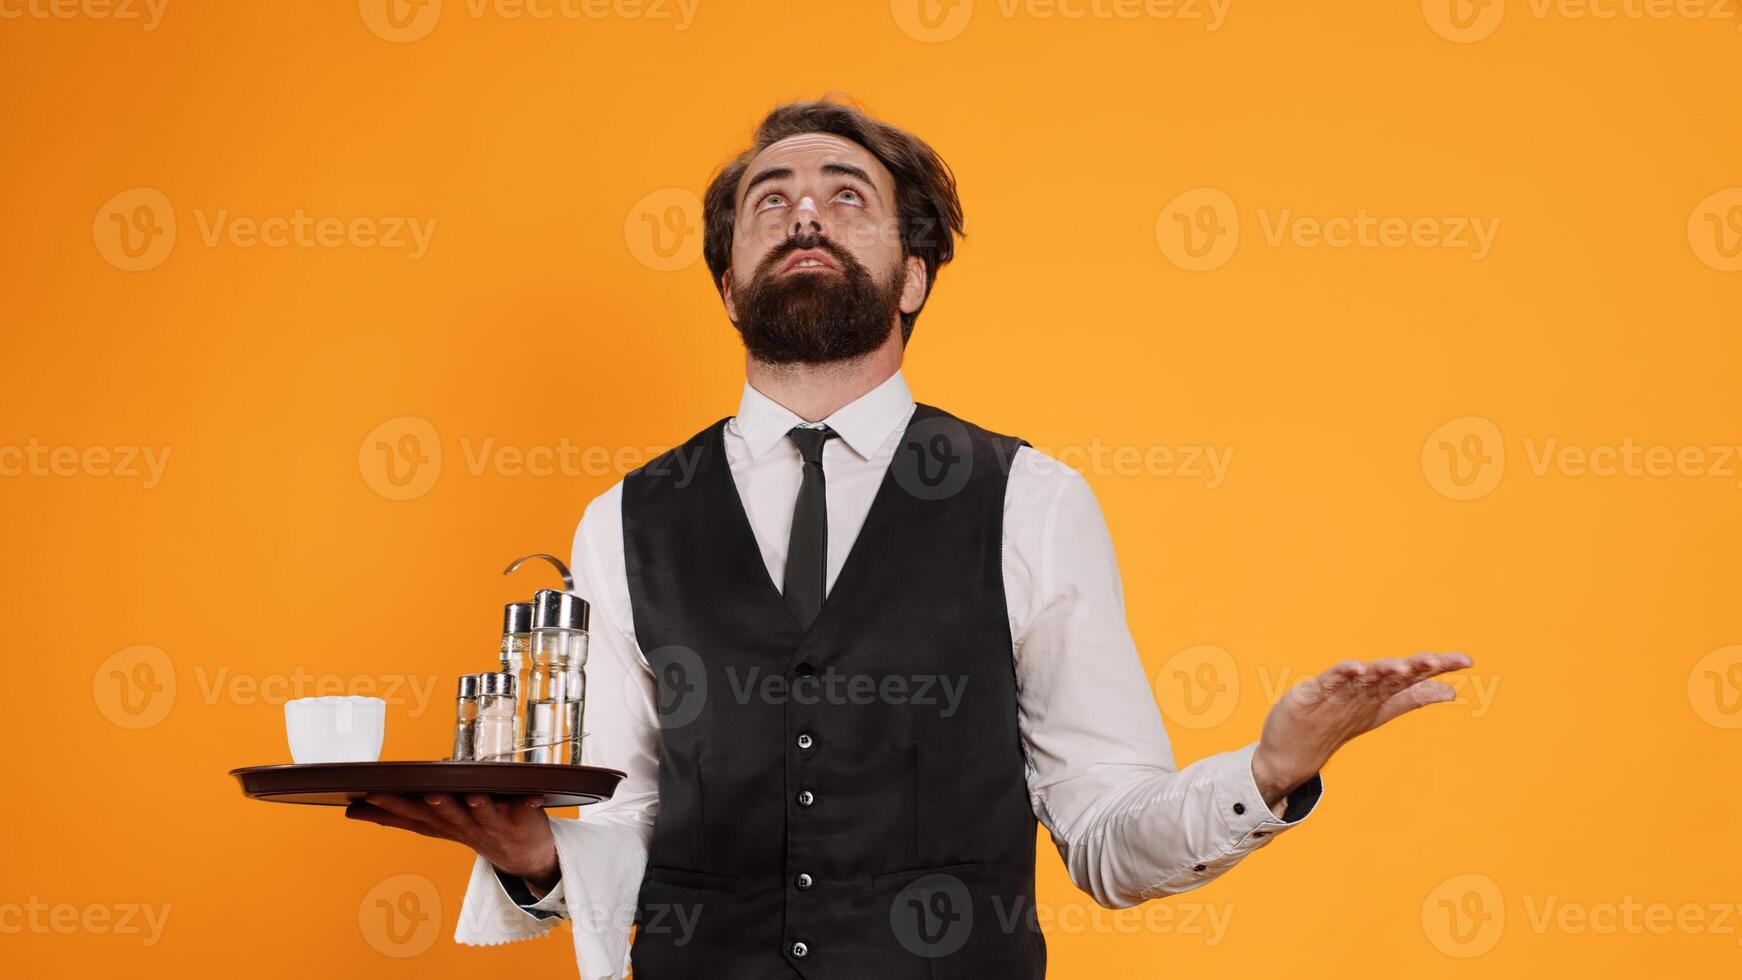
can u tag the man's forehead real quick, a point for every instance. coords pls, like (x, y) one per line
(807, 151)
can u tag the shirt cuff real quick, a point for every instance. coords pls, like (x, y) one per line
(1245, 823)
(551, 905)
(1241, 804)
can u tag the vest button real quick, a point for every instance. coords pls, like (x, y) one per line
(806, 797)
(804, 670)
(805, 741)
(803, 882)
(800, 950)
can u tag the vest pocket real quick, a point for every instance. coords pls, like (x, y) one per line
(685, 878)
(899, 879)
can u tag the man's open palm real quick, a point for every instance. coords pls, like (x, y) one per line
(1318, 715)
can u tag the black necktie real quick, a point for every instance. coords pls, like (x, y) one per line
(808, 548)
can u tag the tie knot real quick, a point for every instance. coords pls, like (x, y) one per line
(810, 441)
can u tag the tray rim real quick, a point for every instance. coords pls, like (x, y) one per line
(426, 762)
(447, 768)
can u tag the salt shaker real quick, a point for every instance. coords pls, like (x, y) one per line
(494, 741)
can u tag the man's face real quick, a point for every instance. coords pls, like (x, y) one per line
(817, 269)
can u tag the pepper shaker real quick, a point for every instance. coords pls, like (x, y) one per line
(465, 718)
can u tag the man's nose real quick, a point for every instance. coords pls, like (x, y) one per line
(806, 218)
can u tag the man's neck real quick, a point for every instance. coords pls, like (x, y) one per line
(815, 391)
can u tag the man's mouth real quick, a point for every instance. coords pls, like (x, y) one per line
(809, 260)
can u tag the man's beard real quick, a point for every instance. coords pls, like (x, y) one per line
(816, 317)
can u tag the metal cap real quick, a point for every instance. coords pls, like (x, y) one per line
(468, 685)
(517, 617)
(558, 610)
(496, 683)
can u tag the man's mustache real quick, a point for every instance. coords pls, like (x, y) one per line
(772, 261)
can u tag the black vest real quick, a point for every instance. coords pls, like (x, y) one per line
(847, 802)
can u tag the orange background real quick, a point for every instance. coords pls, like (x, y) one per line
(1590, 762)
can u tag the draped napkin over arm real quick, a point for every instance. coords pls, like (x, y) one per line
(602, 865)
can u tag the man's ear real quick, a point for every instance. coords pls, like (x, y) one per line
(913, 290)
(726, 294)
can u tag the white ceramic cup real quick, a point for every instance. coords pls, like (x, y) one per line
(335, 729)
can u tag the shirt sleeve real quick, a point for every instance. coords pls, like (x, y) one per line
(1101, 775)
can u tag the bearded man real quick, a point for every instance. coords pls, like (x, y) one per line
(850, 650)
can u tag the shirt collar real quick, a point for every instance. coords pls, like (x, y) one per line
(863, 423)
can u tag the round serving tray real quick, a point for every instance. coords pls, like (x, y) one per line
(339, 783)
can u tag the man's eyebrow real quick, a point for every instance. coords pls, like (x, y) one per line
(837, 169)
(772, 173)
(848, 170)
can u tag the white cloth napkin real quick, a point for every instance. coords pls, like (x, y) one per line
(602, 866)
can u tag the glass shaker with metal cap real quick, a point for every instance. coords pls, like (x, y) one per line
(493, 738)
(465, 718)
(517, 660)
(556, 689)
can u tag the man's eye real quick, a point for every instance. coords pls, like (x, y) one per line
(851, 195)
(776, 199)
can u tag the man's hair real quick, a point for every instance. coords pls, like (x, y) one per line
(927, 209)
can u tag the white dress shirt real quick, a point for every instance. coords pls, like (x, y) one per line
(1100, 768)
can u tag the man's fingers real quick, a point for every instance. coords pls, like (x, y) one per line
(487, 812)
(373, 814)
(1413, 697)
(1380, 680)
(1308, 692)
(399, 805)
(1425, 665)
(1394, 675)
(450, 812)
(1338, 679)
